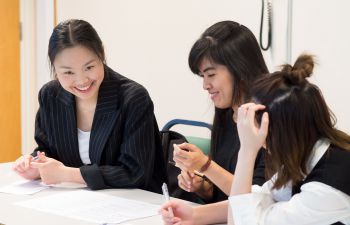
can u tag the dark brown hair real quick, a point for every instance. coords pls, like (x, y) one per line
(233, 45)
(299, 116)
(71, 33)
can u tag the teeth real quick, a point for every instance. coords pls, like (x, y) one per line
(84, 88)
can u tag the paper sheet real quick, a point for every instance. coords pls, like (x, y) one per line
(92, 206)
(24, 187)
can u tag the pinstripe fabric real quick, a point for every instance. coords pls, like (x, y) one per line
(124, 149)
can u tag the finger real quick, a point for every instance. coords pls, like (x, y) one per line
(185, 175)
(42, 157)
(188, 147)
(179, 164)
(26, 161)
(242, 111)
(22, 163)
(37, 165)
(252, 110)
(180, 154)
(182, 183)
(165, 216)
(246, 105)
(17, 163)
(18, 169)
(177, 221)
(264, 126)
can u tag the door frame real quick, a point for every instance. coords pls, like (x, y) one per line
(37, 22)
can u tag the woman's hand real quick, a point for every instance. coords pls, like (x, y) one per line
(23, 168)
(189, 182)
(51, 171)
(189, 157)
(252, 135)
(183, 213)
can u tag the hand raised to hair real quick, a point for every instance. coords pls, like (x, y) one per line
(251, 135)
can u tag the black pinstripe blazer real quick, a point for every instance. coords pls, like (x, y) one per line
(125, 149)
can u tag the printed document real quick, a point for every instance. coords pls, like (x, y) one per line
(92, 206)
(24, 187)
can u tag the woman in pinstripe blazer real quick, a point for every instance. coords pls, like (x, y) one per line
(94, 126)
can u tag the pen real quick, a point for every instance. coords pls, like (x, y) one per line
(201, 175)
(167, 198)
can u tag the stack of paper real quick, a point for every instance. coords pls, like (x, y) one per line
(24, 187)
(92, 206)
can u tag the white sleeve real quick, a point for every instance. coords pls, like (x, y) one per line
(316, 204)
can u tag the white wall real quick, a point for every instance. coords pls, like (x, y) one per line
(149, 42)
(323, 28)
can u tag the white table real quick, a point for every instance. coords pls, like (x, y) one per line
(11, 214)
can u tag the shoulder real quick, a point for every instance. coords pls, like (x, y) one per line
(50, 89)
(128, 90)
(332, 169)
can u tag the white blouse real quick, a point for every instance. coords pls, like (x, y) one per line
(84, 140)
(316, 204)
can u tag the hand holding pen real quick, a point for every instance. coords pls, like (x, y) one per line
(182, 213)
(23, 168)
(167, 198)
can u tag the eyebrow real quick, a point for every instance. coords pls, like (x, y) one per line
(208, 68)
(67, 67)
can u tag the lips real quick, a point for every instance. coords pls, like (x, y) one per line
(84, 88)
(213, 94)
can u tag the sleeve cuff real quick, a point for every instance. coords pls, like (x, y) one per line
(247, 209)
(92, 176)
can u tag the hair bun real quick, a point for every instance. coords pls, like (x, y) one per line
(301, 69)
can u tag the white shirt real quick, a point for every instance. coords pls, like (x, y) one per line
(316, 204)
(84, 140)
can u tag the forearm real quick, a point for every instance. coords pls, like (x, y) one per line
(243, 174)
(211, 213)
(220, 177)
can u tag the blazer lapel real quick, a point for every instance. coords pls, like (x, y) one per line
(66, 126)
(105, 118)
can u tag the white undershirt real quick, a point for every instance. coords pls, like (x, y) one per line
(316, 204)
(84, 140)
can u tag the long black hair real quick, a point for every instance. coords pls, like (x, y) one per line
(71, 33)
(297, 108)
(233, 45)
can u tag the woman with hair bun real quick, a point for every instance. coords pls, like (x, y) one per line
(307, 158)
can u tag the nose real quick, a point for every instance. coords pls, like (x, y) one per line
(206, 83)
(81, 79)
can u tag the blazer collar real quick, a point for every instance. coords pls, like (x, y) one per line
(106, 113)
(107, 94)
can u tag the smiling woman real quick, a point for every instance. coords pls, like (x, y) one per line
(94, 126)
(228, 58)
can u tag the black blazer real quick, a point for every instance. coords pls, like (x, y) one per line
(125, 149)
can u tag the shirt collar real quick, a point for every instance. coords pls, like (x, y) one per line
(318, 151)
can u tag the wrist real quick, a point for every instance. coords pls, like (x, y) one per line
(72, 175)
(206, 165)
(247, 154)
